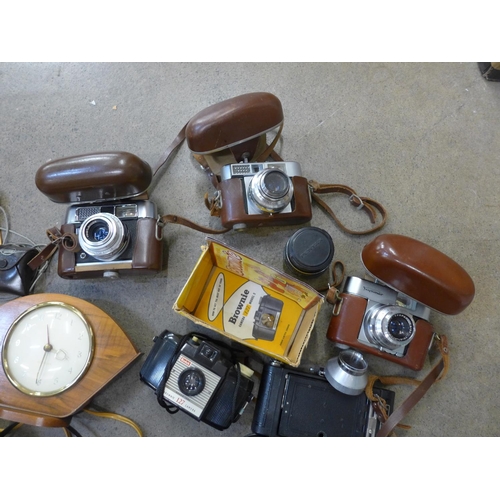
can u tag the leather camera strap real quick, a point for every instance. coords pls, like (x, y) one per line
(368, 205)
(68, 240)
(269, 151)
(181, 136)
(175, 219)
(437, 373)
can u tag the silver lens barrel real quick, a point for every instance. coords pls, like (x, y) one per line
(348, 372)
(271, 190)
(103, 236)
(389, 326)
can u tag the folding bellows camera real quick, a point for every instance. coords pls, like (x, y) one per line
(115, 224)
(293, 403)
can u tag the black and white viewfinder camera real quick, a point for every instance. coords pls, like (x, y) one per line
(194, 375)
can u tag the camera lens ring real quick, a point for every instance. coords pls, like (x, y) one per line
(271, 190)
(103, 236)
(389, 326)
(348, 372)
(352, 362)
(191, 381)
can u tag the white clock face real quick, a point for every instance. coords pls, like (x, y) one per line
(47, 349)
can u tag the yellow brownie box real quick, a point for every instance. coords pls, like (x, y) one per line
(249, 302)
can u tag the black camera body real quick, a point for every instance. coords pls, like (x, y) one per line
(266, 318)
(198, 378)
(293, 403)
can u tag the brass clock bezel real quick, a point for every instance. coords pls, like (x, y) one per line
(12, 327)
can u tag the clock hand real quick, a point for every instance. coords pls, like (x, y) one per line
(46, 348)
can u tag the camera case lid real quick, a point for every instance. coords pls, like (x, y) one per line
(94, 177)
(419, 271)
(232, 122)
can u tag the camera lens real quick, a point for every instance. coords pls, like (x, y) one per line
(399, 326)
(275, 184)
(389, 326)
(98, 231)
(103, 236)
(191, 382)
(267, 320)
(271, 190)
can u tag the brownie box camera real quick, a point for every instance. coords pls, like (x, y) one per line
(293, 403)
(115, 224)
(199, 378)
(389, 317)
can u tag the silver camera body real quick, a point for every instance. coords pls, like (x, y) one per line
(389, 320)
(268, 186)
(110, 234)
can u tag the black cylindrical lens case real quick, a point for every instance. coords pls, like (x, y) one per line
(308, 254)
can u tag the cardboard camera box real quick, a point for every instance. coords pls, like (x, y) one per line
(250, 303)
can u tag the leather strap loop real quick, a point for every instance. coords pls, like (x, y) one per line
(69, 241)
(333, 292)
(368, 205)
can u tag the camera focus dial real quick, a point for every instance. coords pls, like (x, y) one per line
(191, 381)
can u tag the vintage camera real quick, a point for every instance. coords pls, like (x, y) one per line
(198, 377)
(263, 194)
(115, 224)
(389, 317)
(295, 403)
(266, 318)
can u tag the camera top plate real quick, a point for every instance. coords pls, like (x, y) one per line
(420, 272)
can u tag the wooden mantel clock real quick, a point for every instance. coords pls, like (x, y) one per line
(58, 352)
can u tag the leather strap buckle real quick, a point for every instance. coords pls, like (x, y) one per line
(355, 200)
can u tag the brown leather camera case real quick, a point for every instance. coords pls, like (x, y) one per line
(345, 327)
(94, 177)
(419, 271)
(233, 208)
(147, 254)
(224, 132)
(233, 121)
